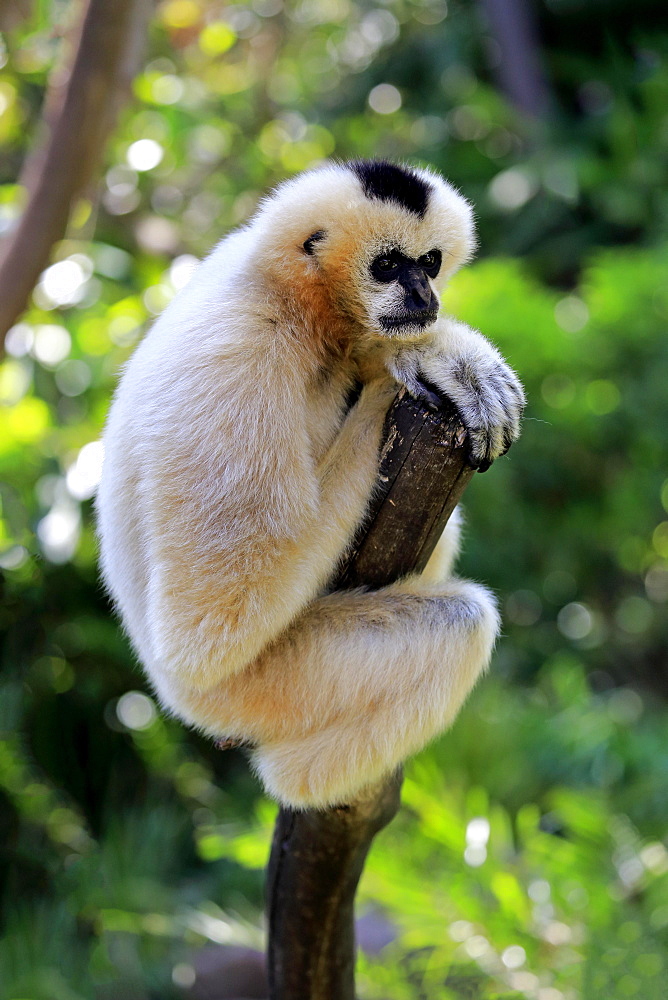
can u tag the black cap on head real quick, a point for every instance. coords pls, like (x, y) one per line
(389, 182)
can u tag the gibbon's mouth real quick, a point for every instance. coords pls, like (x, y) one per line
(421, 319)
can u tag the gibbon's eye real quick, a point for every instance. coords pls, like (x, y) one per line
(386, 267)
(309, 244)
(431, 262)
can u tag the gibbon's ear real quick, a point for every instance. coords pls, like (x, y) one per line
(309, 244)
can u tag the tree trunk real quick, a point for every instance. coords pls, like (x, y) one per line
(519, 70)
(79, 111)
(317, 856)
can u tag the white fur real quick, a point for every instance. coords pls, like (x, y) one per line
(233, 482)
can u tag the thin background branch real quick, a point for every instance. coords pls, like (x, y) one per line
(80, 109)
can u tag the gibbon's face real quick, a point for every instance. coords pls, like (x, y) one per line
(375, 235)
(393, 282)
(400, 297)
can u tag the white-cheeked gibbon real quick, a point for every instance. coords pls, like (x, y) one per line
(236, 473)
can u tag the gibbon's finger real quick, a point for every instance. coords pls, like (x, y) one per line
(484, 447)
(481, 463)
(429, 393)
(509, 435)
(485, 465)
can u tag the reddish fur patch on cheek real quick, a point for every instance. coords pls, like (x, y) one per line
(327, 326)
(324, 294)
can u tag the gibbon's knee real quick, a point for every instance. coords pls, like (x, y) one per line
(363, 680)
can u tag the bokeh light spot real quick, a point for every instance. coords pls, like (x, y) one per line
(634, 614)
(51, 345)
(19, 340)
(602, 396)
(144, 154)
(514, 956)
(523, 607)
(136, 710)
(62, 284)
(384, 99)
(58, 532)
(180, 13)
(217, 38)
(558, 391)
(571, 314)
(511, 189)
(182, 269)
(575, 621)
(183, 975)
(83, 477)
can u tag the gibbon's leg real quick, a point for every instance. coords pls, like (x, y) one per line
(443, 557)
(358, 682)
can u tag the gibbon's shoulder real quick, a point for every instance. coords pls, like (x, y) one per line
(224, 271)
(210, 314)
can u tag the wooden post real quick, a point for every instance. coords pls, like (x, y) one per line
(317, 856)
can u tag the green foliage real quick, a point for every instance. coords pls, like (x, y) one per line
(528, 860)
(524, 875)
(583, 551)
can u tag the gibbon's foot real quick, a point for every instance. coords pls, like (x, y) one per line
(230, 743)
(329, 766)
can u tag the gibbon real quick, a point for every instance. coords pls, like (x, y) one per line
(236, 472)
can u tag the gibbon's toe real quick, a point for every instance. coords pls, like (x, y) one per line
(322, 770)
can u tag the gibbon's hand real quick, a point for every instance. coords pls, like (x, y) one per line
(486, 391)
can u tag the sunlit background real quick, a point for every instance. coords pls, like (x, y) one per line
(530, 857)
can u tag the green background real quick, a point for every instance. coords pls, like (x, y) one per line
(529, 859)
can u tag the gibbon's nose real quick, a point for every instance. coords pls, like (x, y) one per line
(418, 289)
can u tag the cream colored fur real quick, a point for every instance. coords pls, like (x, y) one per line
(234, 479)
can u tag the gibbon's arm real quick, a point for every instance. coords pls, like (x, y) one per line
(246, 529)
(461, 364)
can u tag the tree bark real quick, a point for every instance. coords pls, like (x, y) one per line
(317, 856)
(519, 71)
(79, 112)
(13, 13)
